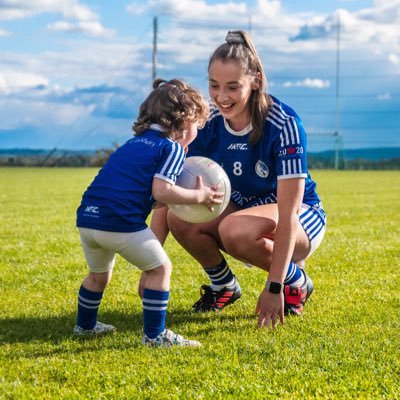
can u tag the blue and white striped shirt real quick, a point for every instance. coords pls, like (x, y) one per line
(120, 199)
(255, 169)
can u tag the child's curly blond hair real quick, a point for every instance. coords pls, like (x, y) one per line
(171, 105)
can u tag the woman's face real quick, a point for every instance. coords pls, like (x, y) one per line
(230, 89)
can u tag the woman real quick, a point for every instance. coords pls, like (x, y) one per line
(275, 219)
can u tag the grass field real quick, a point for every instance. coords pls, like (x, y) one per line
(346, 346)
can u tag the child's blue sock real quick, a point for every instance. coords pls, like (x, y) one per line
(154, 311)
(88, 305)
(221, 276)
(294, 276)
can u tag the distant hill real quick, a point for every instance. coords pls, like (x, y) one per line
(373, 154)
(366, 158)
(41, 152)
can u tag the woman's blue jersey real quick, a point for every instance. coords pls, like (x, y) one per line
(254, 169)
(120, 198)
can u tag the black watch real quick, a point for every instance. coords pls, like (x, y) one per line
(274, 287)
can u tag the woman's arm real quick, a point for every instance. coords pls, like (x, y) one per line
(290, 193)
(290, 196)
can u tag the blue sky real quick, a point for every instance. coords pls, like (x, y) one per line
(74, 72)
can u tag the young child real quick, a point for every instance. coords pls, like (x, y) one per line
(111, 217)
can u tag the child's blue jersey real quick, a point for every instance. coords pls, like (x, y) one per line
(254, 169)
(120, 198)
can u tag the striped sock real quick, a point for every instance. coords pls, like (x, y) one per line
(221, 276)
(294, 276)
(154, 311)
(88, 305)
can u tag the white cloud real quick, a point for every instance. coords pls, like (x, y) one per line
(79, 17)
(270, 8)
(35, 112)
(384, 96)
(11, 81)
(136, 8)
(3, 83)
(59, 76)
(371, 27)
(394, 59)
(4, 33)
(195, 10)
(90, 28)
(309, 82)
(26, 8)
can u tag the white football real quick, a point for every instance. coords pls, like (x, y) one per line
(212, 174)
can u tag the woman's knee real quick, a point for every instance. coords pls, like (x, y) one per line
(231, 234)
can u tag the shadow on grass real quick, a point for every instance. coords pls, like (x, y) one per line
(56, 329)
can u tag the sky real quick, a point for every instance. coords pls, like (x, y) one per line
(73, 73)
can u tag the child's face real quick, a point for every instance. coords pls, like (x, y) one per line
(230, 89)
(189, 134)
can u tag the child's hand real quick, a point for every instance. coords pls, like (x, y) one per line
(209, 195)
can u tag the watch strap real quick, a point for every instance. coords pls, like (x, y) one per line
(274, 287)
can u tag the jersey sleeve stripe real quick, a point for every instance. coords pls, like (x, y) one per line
(171, 166)
(274, 122)
(291, 129)
(282, 140)
(167, 163)
(286, 123)
(286, 176)
(165, 178)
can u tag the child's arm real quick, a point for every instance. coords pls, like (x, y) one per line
(168, 193)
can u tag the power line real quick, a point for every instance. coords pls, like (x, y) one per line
(79, 117)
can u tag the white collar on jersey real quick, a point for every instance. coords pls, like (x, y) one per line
(157, 127)
(243, 132)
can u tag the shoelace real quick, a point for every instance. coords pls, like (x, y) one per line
(208, 295)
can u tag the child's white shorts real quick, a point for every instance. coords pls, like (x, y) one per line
(141, 249)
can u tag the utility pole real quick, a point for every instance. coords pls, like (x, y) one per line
(337, 138)
(154, 72)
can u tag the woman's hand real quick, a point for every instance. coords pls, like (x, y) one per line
(270, 309)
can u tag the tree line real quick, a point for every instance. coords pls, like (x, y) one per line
(100, 156)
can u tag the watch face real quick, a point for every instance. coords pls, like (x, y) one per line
(275, 287)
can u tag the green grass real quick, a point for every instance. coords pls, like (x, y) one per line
(345, 346)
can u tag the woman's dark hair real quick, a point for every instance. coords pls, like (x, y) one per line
(240, 49)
